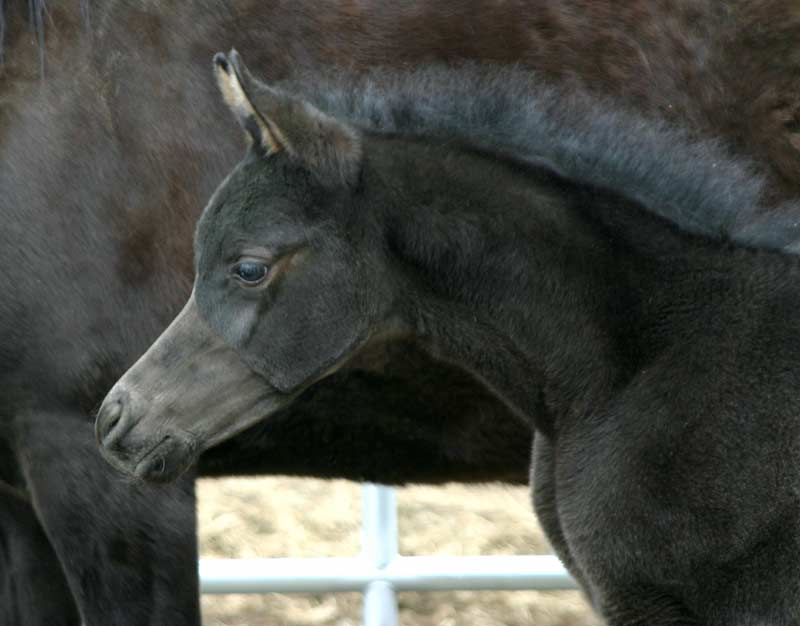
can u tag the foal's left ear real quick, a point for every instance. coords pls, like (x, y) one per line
(279, 122)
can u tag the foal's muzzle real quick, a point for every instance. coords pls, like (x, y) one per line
(188, 392)
(160, 457)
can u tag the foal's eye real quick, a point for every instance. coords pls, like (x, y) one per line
(250, 272)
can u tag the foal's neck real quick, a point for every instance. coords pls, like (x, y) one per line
(557, 296)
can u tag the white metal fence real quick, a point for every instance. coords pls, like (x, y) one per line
(380, 570)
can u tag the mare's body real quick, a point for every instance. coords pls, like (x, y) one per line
(107, 161)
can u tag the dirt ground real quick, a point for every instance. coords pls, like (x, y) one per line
(264, 517)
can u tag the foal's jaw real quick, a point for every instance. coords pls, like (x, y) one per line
(188, 392)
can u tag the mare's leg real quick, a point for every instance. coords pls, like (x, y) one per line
(33, 590)
(128, 549)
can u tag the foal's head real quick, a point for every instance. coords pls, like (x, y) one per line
(294, 275)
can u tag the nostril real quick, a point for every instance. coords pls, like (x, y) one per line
(110, 420)
(110, 427)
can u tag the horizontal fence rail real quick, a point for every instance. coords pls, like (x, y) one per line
(404, 573)
(380, 571)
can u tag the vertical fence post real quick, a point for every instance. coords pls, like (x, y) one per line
(379, 547)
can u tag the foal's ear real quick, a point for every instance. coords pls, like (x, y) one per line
(277, 122)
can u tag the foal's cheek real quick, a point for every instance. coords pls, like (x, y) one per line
(229, 313)
(243, 325)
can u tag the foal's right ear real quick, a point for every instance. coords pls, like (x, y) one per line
(279, 122)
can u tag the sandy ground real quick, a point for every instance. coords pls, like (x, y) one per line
(297, 517)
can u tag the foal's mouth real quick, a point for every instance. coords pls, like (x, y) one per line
(163, 461)
(166, 460)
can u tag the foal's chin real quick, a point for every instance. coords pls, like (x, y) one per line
(162, 459)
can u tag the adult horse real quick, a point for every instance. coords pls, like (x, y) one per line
(597, 272)
(105, 166)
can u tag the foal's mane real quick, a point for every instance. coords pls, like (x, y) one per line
(695, 184)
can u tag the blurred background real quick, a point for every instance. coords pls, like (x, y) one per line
(291, 517)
